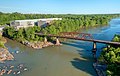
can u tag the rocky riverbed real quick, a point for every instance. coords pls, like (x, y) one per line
(7, 68)
(12, 70)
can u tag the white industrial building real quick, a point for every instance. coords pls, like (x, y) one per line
(32, 22)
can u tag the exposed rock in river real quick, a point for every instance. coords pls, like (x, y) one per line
(37, 45)
(12, 70)
(5, 55)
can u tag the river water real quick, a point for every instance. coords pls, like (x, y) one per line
(73, 58)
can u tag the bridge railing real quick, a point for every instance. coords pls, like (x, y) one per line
(76, 35)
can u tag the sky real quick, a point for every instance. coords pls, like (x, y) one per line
(61, 6)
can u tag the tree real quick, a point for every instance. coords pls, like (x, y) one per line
(9, 32)
(19, 35)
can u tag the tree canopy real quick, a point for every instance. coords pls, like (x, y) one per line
(112, 58)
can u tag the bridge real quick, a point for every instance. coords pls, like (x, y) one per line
(78, 36)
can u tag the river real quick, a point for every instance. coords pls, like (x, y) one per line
(73, 58)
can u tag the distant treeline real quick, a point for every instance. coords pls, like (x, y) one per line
(86, 20)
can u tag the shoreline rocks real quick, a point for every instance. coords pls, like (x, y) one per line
(5, 55)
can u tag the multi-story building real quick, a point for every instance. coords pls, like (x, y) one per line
(30, 23)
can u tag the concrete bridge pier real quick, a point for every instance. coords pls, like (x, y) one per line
(45, 40)
(94, 50)
(57, 41)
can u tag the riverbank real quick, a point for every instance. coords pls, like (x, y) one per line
(9, 68)
(4, 53)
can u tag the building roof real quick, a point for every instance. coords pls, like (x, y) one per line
(35, 20)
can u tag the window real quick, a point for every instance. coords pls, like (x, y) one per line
(29, 23)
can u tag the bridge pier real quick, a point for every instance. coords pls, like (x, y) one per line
(57, 42)
(94, 50)
(45, 40)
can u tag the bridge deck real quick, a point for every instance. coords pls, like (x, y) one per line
(77, 38)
